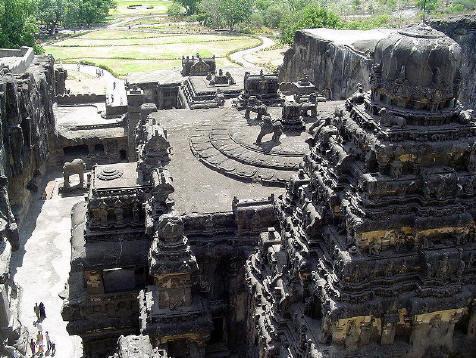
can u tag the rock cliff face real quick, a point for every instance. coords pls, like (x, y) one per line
(26, 123)
(336, 60)
(462, 29)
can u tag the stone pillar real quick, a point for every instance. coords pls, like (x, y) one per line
(172, 264)
(135, 99)
(388, 333)
(434, 329)
(60, 80)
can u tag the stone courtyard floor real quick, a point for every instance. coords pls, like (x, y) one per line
(41, 266)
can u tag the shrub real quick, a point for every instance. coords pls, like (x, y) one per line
(175, 10)
(368, 23)
(312, 16)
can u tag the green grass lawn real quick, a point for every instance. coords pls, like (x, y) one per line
(142, 51)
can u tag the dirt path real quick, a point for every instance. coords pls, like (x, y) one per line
(245, 57)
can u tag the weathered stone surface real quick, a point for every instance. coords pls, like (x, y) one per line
(137, 347)
(27, 124)
(335, 60)
(462, 29)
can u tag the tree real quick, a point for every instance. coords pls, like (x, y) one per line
(356, 5)
(87, 12)
(191, 6)
(51, 13)
(274, 15)
(427, 5)
(235, 11)
(18, 25)
(209, 12)
(312, 16)
(297, 5)
(228, 13)
(174, 10)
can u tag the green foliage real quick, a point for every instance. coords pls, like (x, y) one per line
(175, 10)
(228, 13)
(368, 23)
(389, 5)
(427, 5)
(297, 5)
(235, 11)
(274, 14)
(209, 13)
(466, 4)
(104, 67)
(262, 5)
(50, 13)
(86, 12)
(18, 25)
(460, 6)
(312, 16)
(191, 6)
(356, 5)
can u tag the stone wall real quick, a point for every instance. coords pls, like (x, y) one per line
(17, 60)
(80, 98)
(336, 60)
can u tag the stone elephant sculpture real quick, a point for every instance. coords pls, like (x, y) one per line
(268, 126)
(76, 166)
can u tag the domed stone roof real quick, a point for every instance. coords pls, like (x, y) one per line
(416, 68)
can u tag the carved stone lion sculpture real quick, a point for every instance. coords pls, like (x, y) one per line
(76, 166)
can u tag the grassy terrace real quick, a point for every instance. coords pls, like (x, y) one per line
(138, 51)
(152, 43)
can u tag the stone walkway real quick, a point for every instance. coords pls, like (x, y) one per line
(41, 267)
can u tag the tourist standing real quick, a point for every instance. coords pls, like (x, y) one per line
(41, 349)
(39, 337)
(42, 311)
(37, 311)
(48, 341)
(53, 348)
(32, 347)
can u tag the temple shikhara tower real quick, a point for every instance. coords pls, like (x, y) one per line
(375, 250)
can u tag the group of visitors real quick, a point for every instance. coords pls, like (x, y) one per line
(99, 72)
(37, 345)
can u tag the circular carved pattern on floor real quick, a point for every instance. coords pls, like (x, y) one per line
(230, 149)
(109, 174)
